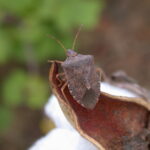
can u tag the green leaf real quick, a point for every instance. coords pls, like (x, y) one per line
(5, 47)
(50, 49)
(14, 87)
(21, 88)
(46, 9)
(75, 12)
(32, 30)
(16, 6)
(37, 92)
(5, 118)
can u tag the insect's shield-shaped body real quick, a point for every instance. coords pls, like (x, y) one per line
(82, 78)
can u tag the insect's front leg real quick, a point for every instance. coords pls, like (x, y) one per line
(61, 78)
(57, 61)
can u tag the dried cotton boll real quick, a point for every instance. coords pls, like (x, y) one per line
(54, 112)
(65, 137)
(113, 90)
(102, 124)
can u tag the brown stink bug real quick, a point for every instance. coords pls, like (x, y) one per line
(81, 77)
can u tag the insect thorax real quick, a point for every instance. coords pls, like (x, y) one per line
(78, 67)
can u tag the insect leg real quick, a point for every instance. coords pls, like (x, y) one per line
(101, 74)
(63, 87)
(61, 77)
(57, 61)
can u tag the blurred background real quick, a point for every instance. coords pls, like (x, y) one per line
(116, 32)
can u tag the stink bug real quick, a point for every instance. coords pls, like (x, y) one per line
(81, 77)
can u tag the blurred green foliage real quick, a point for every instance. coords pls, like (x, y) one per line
(24, 26)
(24, 89)
(5, 118)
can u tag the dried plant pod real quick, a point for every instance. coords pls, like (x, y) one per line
(121, 79)
(112, 123)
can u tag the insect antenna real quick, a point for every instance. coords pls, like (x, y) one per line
(76, 36)
(58, 41)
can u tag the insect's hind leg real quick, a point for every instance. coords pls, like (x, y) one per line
(101, 73)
